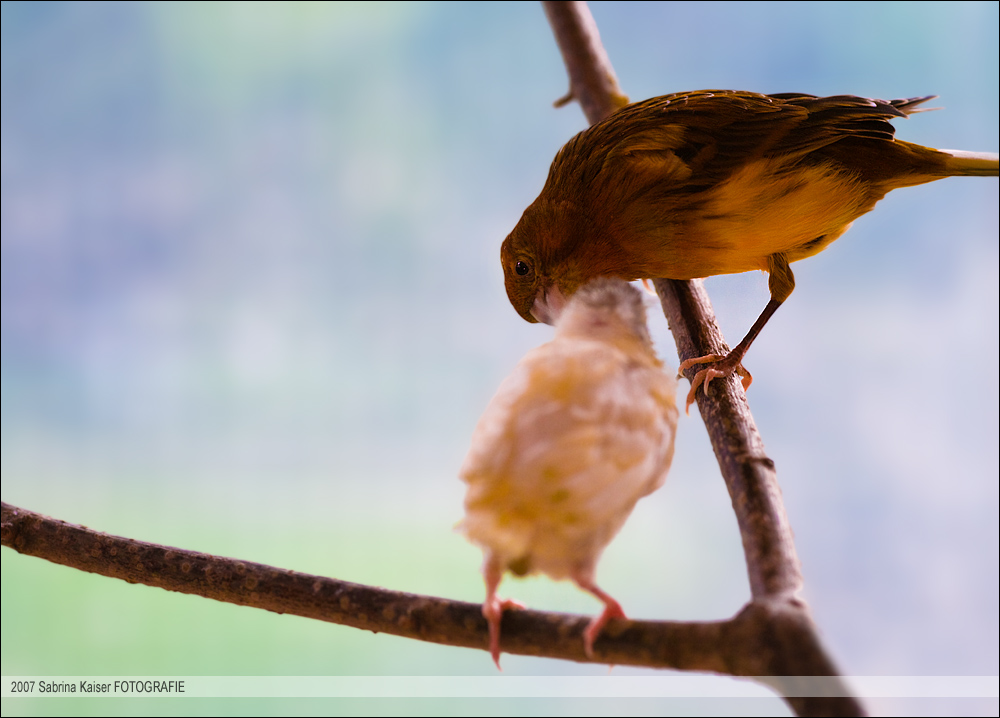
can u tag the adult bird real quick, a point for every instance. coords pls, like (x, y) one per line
(714, 182)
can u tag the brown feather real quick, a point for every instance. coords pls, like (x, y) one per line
(714, 182)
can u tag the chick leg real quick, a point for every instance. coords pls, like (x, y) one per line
(494, 606)
(781, 282)
(612, 609)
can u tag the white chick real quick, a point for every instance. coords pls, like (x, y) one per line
(579, 432)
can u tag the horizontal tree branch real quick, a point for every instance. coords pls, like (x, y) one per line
(744, 645)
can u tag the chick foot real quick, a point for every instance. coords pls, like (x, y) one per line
(612, 609)
(493, 608)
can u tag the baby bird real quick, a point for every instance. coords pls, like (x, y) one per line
(713, 182)
(579, 432)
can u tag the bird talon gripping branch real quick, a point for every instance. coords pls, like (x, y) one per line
(725, 365)
(493, 608)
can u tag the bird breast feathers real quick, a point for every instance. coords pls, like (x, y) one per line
(763, 208)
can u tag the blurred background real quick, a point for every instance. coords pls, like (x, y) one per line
(252, 305)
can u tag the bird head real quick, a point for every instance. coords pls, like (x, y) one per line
(528, 286)
(607, 308)
(539, 271)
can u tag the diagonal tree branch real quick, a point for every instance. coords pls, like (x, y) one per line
(772, 562)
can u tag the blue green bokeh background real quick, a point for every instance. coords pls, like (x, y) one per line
(252, 305)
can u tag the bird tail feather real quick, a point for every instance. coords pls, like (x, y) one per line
(974, 164)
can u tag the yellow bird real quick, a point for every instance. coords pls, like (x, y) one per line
(714, 182)
(579, 432)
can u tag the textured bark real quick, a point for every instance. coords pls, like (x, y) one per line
(782, 628)
(733, 646)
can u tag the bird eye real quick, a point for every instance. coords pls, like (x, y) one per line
(522, 268)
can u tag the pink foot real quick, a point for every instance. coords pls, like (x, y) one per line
(724, 366)
(612, 609)
(493, 608)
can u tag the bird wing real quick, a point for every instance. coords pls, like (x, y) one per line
(695, 140)
(715, 182)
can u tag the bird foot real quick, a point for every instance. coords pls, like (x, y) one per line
(723, 366)
(493, 609)
(593, 630)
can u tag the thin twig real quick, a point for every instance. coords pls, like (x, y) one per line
(592, 80)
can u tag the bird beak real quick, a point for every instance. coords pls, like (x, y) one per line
(549, 303)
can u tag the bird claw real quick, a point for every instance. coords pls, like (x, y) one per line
(594, 628)
(493, 613)
(724, 366)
